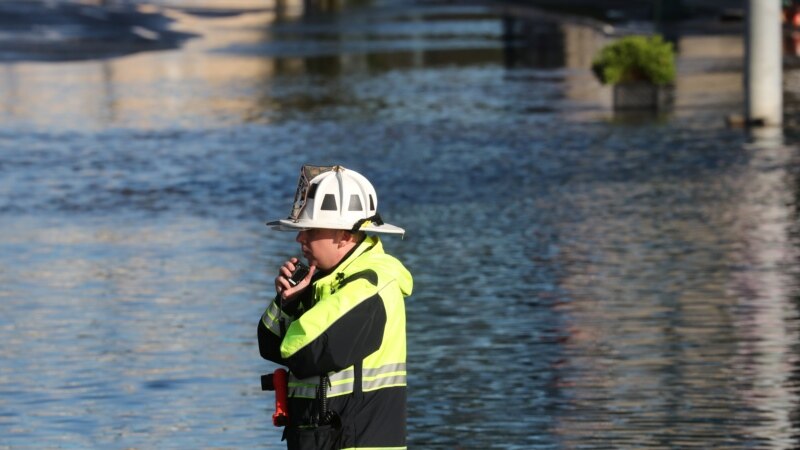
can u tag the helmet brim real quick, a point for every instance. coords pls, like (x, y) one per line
(286, 225)
(386, 228)
(292, 226)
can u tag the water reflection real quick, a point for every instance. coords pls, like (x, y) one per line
(101, 314)
(225, 75)
(685, 307)
(581, 281)
(768, 331)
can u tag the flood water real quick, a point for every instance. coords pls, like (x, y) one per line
(582, 279)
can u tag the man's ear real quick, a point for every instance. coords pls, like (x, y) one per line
(344, 237)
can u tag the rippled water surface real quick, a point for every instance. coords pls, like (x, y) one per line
(582, 279)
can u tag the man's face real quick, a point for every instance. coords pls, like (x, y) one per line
(321, 247)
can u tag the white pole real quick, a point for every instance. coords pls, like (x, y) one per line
(764, 63)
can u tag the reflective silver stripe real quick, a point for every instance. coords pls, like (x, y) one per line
(302, 387)
(342, 388)
(385, 381)
(386, 368)
(345, 374)
(303, 391)
(384, 376)
(342, 383)
(271, 318)
(349, 374)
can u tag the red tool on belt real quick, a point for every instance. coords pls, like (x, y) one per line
(277, 381)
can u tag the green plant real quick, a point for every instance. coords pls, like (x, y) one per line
(636, 58)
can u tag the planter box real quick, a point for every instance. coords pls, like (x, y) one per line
(643, 96)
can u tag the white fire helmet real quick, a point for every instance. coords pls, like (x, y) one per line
(335, 198)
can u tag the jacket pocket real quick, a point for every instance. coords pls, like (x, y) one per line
(324, 437)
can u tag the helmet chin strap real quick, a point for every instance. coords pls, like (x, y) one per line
(376, 219)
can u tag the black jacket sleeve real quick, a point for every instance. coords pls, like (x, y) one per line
(269, 344)
(269, 340)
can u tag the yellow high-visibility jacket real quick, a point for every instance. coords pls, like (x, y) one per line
(346, 333)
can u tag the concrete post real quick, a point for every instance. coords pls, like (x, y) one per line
(764, 63)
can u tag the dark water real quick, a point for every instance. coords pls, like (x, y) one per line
(583, 279)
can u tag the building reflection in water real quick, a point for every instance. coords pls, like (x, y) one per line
(147, 89)
(648, 328)
(683, 318)
(709, 65)
(225, 75)
(248, 51)
(766, 310)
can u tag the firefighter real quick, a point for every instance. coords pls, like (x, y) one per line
(340, 329)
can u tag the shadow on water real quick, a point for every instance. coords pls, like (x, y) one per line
(583, 279)
(35, 30)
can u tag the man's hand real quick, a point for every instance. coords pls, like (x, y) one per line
(282, 285)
